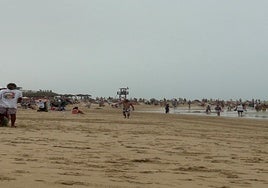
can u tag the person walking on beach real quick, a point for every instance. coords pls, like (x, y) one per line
(189, 105)
(167, 108)
(8, 102)
(240, 109)
(218, 110)
(127, 105)
(208, 109)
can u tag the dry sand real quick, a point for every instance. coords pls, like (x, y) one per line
(103, 150)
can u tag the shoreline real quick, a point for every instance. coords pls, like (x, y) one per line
(249, 114)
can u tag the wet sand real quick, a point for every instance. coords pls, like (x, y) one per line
(102, 149)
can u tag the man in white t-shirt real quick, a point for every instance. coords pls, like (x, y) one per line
(8, 102)
(240, 109)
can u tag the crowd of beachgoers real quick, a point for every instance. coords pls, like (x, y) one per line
(60, 102)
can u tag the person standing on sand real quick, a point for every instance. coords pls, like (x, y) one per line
(127, 105)
(8, 102)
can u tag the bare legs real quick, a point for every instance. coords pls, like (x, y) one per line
(12, 118)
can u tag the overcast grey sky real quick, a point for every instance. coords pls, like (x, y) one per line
(158, 48)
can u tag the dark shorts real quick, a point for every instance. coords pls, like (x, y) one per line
(126, 110)
(8, 110)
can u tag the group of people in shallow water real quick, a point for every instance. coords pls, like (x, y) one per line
(240, 108)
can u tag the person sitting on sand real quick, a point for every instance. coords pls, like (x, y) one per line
(42, 106)
(75, 110)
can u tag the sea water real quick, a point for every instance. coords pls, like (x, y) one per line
(249, 113)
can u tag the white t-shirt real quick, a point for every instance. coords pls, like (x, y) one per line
(41, 104)
(9, 98)
(240, 108)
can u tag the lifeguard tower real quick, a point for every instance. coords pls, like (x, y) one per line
(123, 92)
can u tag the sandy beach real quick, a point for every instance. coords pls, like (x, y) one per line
(102, 149)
